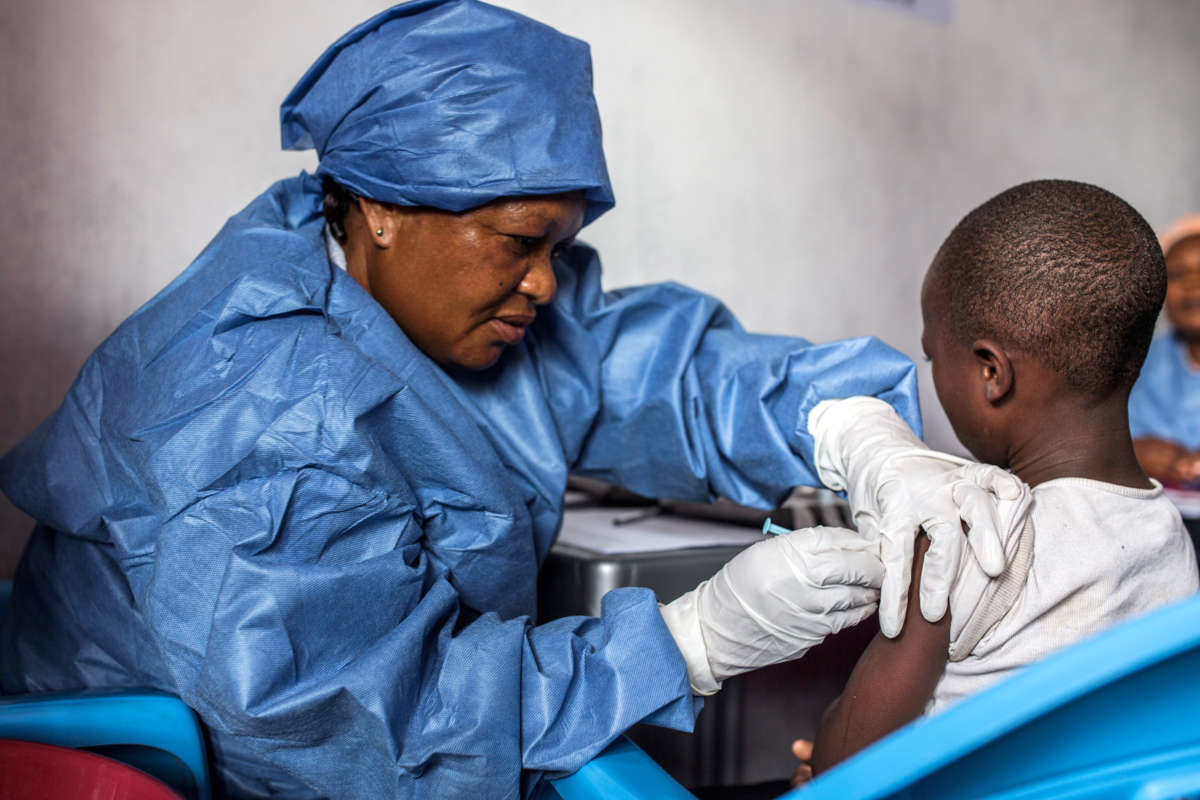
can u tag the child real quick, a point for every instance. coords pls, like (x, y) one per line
(1164, 407)
(1038, 311)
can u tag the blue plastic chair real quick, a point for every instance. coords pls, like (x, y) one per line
(622, 771)
(152, 731)
(1116, 716)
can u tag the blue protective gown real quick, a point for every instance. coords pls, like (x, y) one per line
(1165, 401)
(260, 496)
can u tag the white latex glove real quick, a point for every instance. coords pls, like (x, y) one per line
(773, 601)
(896, 484)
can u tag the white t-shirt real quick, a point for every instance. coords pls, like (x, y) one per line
(1092, 554)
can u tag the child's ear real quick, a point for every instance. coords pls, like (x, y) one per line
(995, 370)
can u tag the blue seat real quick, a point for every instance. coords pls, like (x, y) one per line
(152, 731)
(1116, 716)
(622, 771)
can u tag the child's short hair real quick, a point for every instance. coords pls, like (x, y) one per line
(1062, 270)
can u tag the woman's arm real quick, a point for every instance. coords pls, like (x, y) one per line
(684, 403)
(304, 549)
(322, 637)
(1167, 460)
(890, 685)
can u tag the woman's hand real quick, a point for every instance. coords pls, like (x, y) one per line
(1187, 466)
(897, 485)
(1167, 461)
(802, 749)
(773, 601)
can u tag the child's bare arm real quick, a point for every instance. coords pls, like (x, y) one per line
(891, 683)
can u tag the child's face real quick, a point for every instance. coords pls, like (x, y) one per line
(956, 377)
(1183, 287)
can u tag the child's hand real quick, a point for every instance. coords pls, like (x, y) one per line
(802, 749)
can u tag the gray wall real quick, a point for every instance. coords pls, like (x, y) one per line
(801, 160)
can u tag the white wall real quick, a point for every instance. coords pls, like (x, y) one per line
(801, 160)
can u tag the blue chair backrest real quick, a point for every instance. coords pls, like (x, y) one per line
(1115, 716)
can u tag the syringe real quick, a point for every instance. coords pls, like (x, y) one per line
(771, 527)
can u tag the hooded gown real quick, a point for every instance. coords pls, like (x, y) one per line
(260, 496)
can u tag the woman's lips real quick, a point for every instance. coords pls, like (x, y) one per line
(510, 328)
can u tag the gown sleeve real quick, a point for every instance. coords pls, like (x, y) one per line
(364, 674)
(684, 403)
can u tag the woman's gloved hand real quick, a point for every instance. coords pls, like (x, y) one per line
(896, 484)
(773, 601)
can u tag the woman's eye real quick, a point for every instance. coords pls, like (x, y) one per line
(525, 244)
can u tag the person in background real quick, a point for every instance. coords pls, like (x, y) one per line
(308, 486)
(1164, 406)
(1038, 311)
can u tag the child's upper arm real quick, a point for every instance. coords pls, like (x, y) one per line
(891, 683)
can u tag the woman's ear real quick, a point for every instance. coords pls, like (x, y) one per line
(995, 370)
(381, 221)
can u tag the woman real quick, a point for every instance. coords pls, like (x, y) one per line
(1164, 402)
(308, 486)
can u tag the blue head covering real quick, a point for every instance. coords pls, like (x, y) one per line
(452, 104)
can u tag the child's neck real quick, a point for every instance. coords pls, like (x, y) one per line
(1069, 439)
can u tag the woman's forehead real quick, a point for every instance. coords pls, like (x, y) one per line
(1185, 251)
(558, 209)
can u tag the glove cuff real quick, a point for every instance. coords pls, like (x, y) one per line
(683, 622)
(828, 422)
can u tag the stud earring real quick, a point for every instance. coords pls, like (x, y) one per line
(379, 231)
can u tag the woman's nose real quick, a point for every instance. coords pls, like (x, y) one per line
(539, 283)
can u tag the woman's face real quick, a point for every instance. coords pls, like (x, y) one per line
(464, 286)
(1183, 287)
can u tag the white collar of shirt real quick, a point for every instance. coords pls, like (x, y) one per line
(337, 256)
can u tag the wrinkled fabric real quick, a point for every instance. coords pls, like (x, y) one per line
(452, 105)
(260, 496)
(1165, 401)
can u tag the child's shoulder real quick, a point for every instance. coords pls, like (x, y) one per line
(1085, 505)
(1094, 532)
